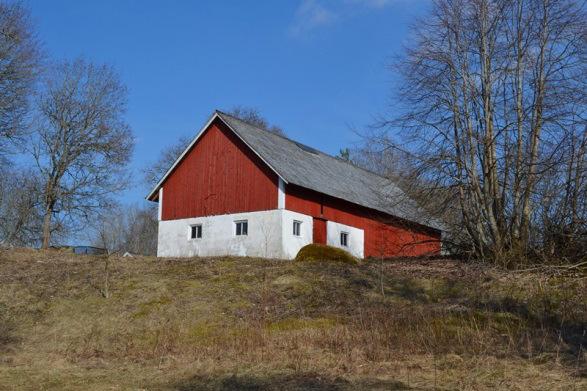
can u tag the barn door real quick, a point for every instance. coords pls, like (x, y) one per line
(319, 230)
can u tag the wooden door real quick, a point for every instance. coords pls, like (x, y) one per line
(319, 231)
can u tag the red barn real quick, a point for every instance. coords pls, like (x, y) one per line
(241, 190)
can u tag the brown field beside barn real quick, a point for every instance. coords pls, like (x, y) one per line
(241, 323)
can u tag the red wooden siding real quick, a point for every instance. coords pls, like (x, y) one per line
(384, 236)
(220, 175)
(319, 230)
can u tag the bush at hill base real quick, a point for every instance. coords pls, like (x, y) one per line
(320, 252)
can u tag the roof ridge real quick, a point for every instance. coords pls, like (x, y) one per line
(264, 130)
(350, 163)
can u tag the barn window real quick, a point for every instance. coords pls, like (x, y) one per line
(242, 227)
(297, 227)
(196, 231)
(344, 239)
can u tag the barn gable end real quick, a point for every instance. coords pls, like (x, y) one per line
(218, 175)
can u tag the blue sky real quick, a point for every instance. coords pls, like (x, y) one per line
(316, 68)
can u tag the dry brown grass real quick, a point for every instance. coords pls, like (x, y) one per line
(239, 323)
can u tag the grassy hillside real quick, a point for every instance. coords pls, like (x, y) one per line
(244, 323)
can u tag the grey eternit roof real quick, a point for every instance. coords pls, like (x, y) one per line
(307, 167)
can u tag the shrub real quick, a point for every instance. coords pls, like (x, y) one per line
(320, 252)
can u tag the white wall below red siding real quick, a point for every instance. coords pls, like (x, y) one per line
(270, 235)
(291, 243)
(219, 238)
(355, 238)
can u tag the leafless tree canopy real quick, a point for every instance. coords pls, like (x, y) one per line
(493, 117)
(20, 207)
(253, 116)
(154, 172)
(130, 229)
(81, 143)
(19, 59)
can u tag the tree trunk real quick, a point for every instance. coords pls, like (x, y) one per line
(536, 127)
(47, 228)
(519, 93)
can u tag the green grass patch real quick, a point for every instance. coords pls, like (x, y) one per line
(151, 306)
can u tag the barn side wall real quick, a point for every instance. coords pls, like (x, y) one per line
(384, 236)
(219, 236)
(270, 235)
(220, 175)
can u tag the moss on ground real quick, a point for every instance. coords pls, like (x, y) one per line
(151, 306)
(322, 253)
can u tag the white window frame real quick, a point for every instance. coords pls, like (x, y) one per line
(299, 226)
(346, 238)
(236, 225)
(190, 231)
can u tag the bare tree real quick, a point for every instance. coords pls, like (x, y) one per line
(20, 207)
(19, 61)
(110, 230)
(155, 171)
(267, 231)
(253, 116)
(128, 229)
(81, 143)
(141, 234)
(493, 104)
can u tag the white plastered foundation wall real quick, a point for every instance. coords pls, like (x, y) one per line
(270, 235)
(291, 243)
(355, 237)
